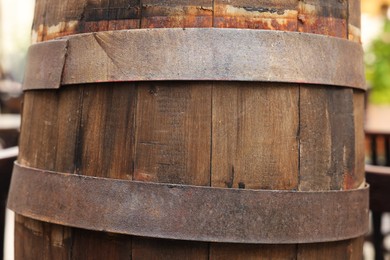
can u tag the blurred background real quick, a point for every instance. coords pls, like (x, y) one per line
(15, 27)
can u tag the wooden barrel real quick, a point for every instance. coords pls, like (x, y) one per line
(217, 132)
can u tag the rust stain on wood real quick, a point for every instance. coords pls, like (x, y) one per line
(323, 17)
(177, 16)
(229, 16)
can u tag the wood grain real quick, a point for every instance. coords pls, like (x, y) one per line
(251, 252)
(357, 179)
(327, 152)
(327, 143)
(39, 148)
(105, 139)
(255, 146)
(174, 13)
(354, 23)
(327, 134)
(41, 240)
(83, 130)
(323, 17)
(264, 14)
(173, 146)
(104, 148)
(347, 249)
(255, 143)
(99, 245)
(42, 132)
(173, 133)
(54, 18)
(221, 134)
(154, 249)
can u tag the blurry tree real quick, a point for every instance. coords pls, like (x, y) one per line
(377, 60)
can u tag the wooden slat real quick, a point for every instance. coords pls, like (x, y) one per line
(54, 19)
(149, 248)
(323, 17)
(83, 131)
(251, 252)
(173, 146)
(173, 133)
(356, 179)
(175, 13)
(99, 245)
(255, 141)
(327, 152)
(42, 132)
(104, 148)
(106, 138)
(263, 14)
(255, 146)
(327, 147)
(38, 148)
(68, 114)
(41, 240)
(347, 249)
(354, 23)
(327, 140)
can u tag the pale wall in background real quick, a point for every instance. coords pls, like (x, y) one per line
(15, 23)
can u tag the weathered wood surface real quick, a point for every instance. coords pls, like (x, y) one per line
(58, 18)
(227, 55)
(219, 134)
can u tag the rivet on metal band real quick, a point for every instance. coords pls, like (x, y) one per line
(199, 54)
(188, 212)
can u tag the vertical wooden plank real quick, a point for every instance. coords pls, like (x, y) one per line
(68, 114)
(330, 250)
(99, 245)
(346, 249)
(38, 22)
(32, 244)
(328, 149)
(48, 130)
(54, 19)
(323, 17)
(173, 133)
(354, 33)
(104, 148)
(92, 130)
(37, 147)
(110, 14)
(220, 251)
(173, 145)
(357, 179)
(176, 13)
(149, 248)
(41, 240)
(255, 136)
(327, 155)
(356, 248)
(106, 139)
(255, 145)
(263, 14)
(327, 146)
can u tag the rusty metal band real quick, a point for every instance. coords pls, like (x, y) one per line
(188, 212)
(195, 54)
